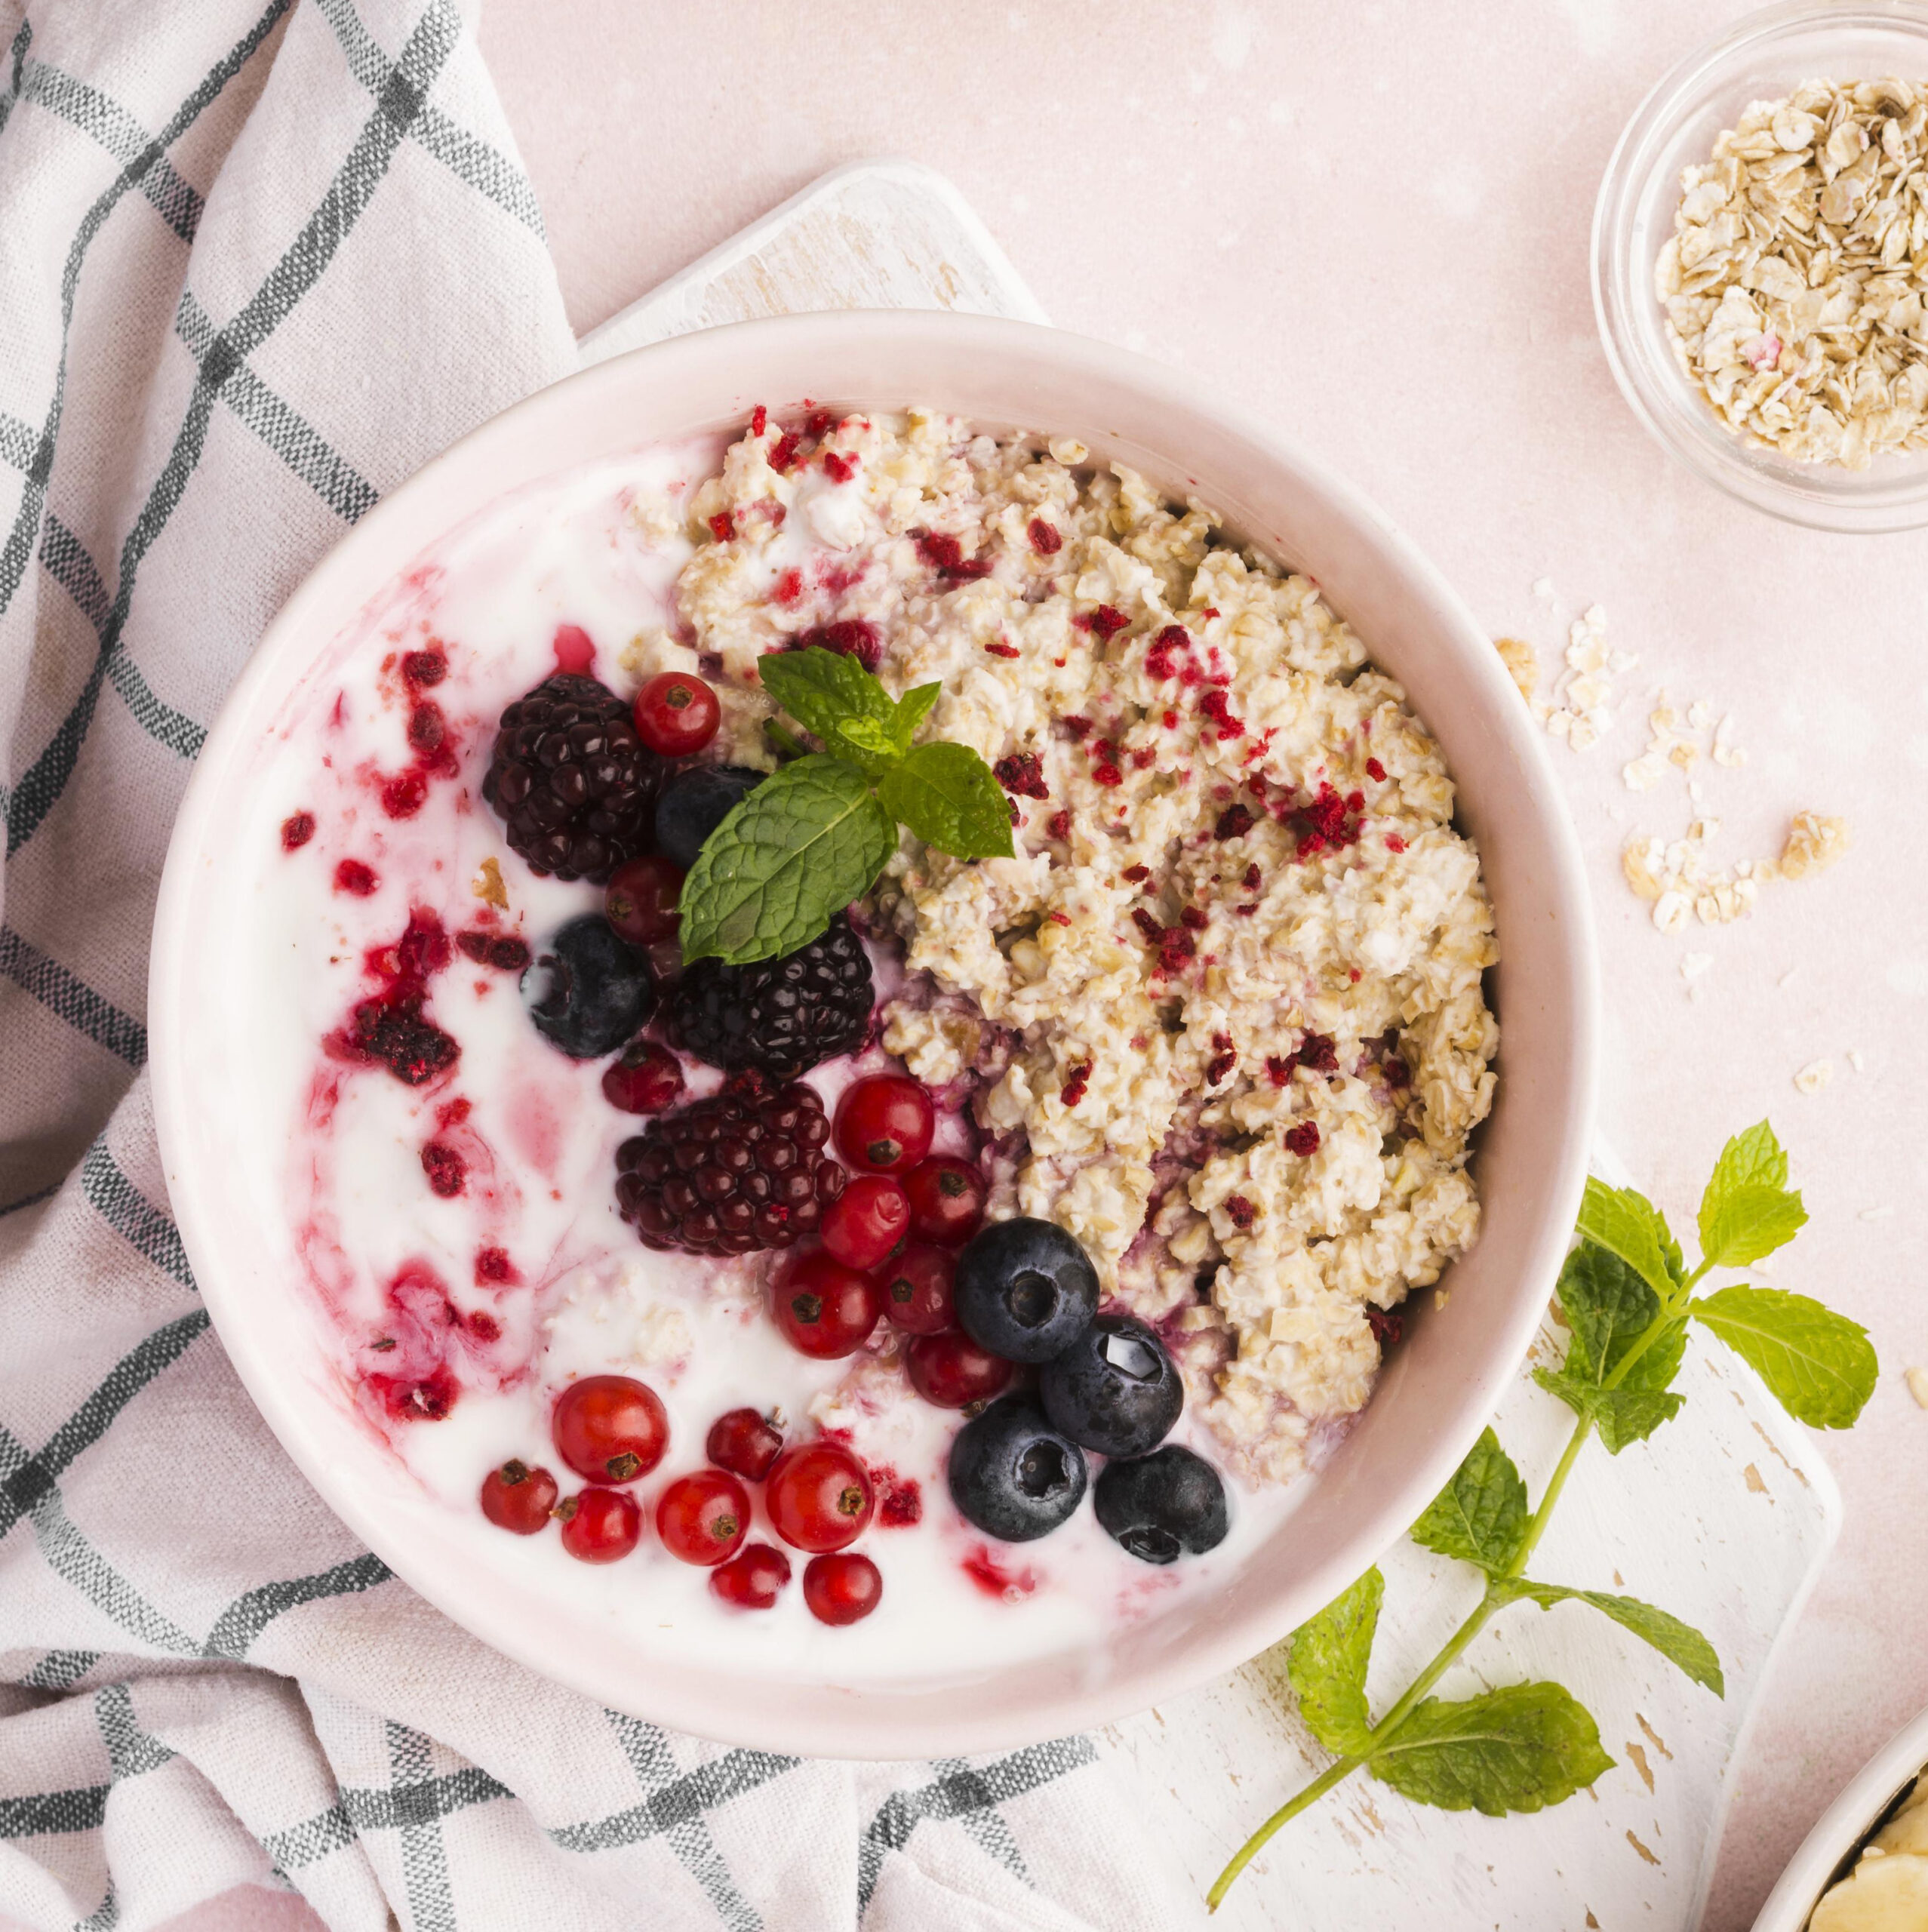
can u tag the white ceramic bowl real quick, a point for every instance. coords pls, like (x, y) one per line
(1843, 1827)
(1440, 1386)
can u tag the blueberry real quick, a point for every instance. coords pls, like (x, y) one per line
(587, 991)
(1024, 1290)
(1012, 1474)
(1114, 1390)
(1160, 1506)
(694, 803)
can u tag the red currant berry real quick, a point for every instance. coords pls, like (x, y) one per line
(518, 1498)
(744, 1443)
(753, 1577)
(609, 1428)
(823, 1307)
(644, 1080)
(842, 1589)
(946, 1197)
(866, 1223)
(951, 1371)
(917, 1290)
(885, 1123)
(641, 901)
(818, 1496)
(677, 714)
(600, 1525)
(702, 1517)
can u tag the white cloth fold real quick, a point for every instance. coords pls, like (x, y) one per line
(258, 259)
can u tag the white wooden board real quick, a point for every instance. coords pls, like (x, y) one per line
(1724, 1519)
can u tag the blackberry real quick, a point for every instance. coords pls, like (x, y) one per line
(747, 1168)
(573, 785)
(780, 1015)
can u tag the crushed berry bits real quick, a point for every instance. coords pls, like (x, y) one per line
(1104, 624)
(722, 526)
(839, 468)
(1394, 843)
(945, 555)
(1045, 539)
(1234, 821)
(1220, 1067)
(995, 649)
(502, 951)
(1138, 875)
(1303, 1139)
(1022, 775)
(1376, 771)
(447, 1171)
(422, 669)
(1214, 705)
(296, 830)
(849, 637)
(785, 451)
(354, 878)
(1059, 825)
(759, 421)
(1239, 1210)
(1076, 1082)
(1388, 1326)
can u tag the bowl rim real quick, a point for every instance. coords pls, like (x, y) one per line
(1816, 496)
(858, 1724)
(1839, 1829)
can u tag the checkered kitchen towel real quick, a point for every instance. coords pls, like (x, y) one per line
(258, 260)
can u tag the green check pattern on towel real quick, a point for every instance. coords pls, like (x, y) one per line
(258, 259)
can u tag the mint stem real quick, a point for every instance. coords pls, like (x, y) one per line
(1387, 1730)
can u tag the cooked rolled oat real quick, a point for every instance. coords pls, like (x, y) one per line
(1794, 281)
(1222, 1012)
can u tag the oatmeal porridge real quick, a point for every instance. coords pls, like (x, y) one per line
(754, 1245)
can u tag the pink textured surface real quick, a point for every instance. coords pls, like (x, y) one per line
(1372, 222)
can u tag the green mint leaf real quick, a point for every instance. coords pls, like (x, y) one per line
(1622, 1415)
(834, 696)
(946, 795)
(1607, 1304)
(1327, 1666)
(1748, 1209)
(914, 707)
(800, 847)
(1681, 1644)
(1628, 1224)
(1481, 1515)
(868, 735)
(1515, 1750)
(1819, 1366)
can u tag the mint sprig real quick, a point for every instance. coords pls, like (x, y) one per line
(1627, 1297)
(814, 835)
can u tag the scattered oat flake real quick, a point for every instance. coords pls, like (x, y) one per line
(1522, 663)
(1682, 882)
(1858, 1060)
(489, 888)
(1875, 1214)
(1580, 711)
(1694, 964)
(1814, 843)
(1917, 1380)
(1543, 590)
(1815, 1075)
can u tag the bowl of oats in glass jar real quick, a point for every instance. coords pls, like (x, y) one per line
(1760, 263)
